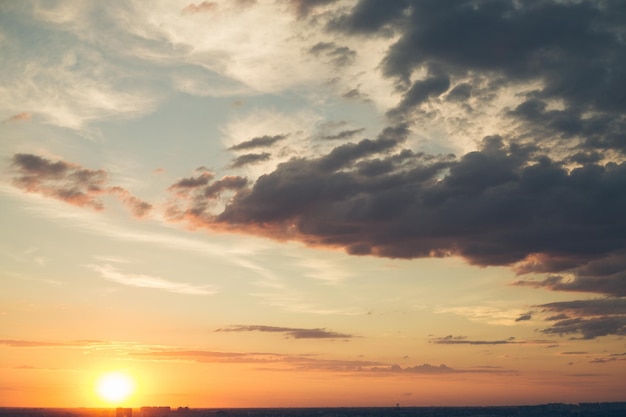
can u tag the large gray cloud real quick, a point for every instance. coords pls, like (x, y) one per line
(495, 206)
(573, 52)
(504, 204)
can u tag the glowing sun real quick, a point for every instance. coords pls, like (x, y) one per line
(115, 387)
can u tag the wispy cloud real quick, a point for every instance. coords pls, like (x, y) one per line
(275, 361)
(462, 340)
(614, 357)
(250, 159)
(295, 333)
(19, 117)
(343, 135)
(204, 7)
(300, 363)
(487, 314)
(18, 343)
(110, 273)
(258, 142)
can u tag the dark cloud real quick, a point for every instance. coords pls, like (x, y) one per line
(525, 316)
(344, 134)
(356, 94)
(614, 357)
(462, 340)
(604, 276)
(197, 195)
(339, 55)
(573, 53)
(250, 159)
(290, 332)
(460, 92)
(371, 16)
(71, 183)
(587, 318)
(593, 307)
(232, 182)
(420, 92)
(305, 7)
(546, 197)
(258, 142)
(199, 181)
(589, 328)
(504, 204)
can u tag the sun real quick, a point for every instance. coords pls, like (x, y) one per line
(115, 387)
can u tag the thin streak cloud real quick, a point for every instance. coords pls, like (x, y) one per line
(110, 273)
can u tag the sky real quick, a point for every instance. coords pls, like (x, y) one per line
(280, 203)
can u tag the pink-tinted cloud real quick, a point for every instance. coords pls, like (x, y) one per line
(71, 183)
(204, 7)
(20, 117)
(137, 207)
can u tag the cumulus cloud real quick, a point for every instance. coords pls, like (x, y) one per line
(295, 333)
(504, 204)
(571, 53)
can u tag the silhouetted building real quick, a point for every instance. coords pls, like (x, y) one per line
(155, 411)
(123, 412)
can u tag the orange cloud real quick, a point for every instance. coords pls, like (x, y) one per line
(18, 117)
(204, 7)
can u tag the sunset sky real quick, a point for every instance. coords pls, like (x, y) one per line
(278, 203)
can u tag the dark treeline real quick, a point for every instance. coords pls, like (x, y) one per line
(615, 409)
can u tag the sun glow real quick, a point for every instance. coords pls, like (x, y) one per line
(115, 387)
